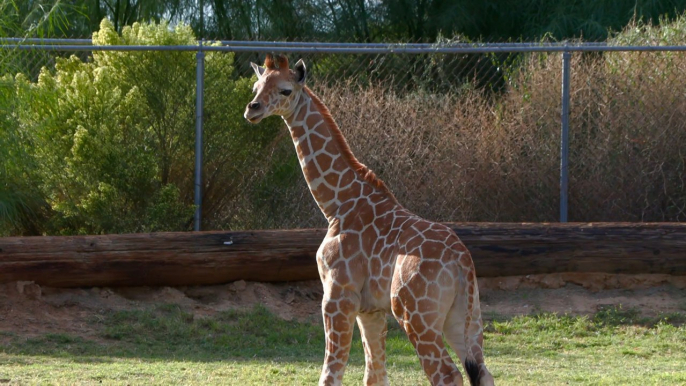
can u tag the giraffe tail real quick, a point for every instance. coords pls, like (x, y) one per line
(463, 330)
(472, 370)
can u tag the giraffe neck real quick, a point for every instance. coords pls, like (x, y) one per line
(333, 174)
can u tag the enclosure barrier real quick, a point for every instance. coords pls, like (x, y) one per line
(205, 258)
(565, 48)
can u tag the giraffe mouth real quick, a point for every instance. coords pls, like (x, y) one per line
(254, 119)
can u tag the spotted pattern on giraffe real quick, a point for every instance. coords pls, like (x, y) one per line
(377, 258)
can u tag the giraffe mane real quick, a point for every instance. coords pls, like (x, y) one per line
(362, 170)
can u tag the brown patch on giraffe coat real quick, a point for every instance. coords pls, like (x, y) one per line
(369, 237)
(421, 226)
(378, 247)
(346, 206)
(335, 368)
(350, 242)
(386, 274)
(303, 151)
(432, 250)
(375, 264)
(339, 164)
(412, 244)
(313, 119)
(384, 209)
(367, 190)
(426, 305)
(324, 161)
(381, 222)
(431, 268)
(341, 323)
(418, 286)
(317, 141)
(297, 132)
(470, 290)
(311, 173)
(347, 307)
(339, 274)
(430, 335)
(459, 246)
(350, 193)
(331, 148)
(330, 308)
(430, 350)
(431, 318)
(347, 178)
(332, 179)
(323, 193)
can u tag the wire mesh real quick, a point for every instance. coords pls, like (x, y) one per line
(627, 157)
(456, 136)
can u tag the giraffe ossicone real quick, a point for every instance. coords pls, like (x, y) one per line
(377, 257)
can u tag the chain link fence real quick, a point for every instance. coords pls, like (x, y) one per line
(459, 133)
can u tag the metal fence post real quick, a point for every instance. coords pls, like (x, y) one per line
(199, 90)
(564, 137)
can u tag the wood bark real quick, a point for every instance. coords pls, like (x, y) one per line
(202, 258)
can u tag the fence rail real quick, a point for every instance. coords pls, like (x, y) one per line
(566, 49)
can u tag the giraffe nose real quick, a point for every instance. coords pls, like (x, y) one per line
(254, 105)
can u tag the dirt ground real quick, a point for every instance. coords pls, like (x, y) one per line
(27, 309)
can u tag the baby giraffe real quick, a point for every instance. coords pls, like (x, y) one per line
(377, 257)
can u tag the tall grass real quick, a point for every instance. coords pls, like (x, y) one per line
(477, 156)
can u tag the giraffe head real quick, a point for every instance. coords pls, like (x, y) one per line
(277, 89)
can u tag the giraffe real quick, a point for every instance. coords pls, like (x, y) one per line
(377, 257)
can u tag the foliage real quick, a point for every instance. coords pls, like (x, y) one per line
(361, 21)
(112, 138)
(21, 204)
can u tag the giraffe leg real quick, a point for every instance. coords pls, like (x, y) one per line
(339, 309)
(373, 330)
(424, 332)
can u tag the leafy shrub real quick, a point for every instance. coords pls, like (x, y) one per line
(112, 138)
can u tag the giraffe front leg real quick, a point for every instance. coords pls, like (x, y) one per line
(373, 330)
(339, 309)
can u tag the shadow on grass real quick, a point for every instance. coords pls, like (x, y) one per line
(167, 332)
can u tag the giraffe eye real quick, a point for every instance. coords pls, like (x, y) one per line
(286, 92)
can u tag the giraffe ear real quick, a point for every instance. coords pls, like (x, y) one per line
(258, 70)
(300, 72)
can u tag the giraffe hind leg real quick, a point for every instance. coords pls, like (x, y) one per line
(424, 332)
(373, 331)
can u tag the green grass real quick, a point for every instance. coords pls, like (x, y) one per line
(166, 345)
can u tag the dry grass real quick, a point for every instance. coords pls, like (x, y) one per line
(475, 156)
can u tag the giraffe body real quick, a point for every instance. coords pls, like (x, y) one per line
(377, 257)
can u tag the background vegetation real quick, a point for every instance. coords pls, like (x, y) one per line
(103, 143)
(353, 20)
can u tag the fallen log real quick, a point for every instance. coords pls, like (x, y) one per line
(203, 258)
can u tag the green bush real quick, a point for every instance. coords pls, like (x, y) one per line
(111, 139)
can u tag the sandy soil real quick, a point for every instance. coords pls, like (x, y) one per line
(28, 309)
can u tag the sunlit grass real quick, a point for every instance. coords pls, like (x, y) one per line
(166, 345)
